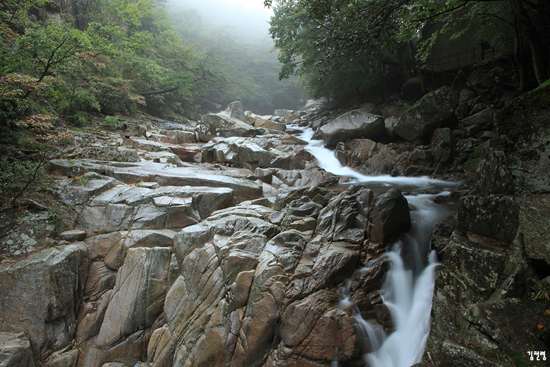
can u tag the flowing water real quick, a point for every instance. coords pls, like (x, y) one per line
(408, 288)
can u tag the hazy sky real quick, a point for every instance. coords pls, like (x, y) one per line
(246, 17)
(253, 5)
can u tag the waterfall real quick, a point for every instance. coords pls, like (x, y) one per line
(408, 288)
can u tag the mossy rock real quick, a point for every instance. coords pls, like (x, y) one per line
(520, 121)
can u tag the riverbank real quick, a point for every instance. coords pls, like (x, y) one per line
(225, 242)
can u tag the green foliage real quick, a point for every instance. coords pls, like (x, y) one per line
(540, 291)
(378, 39)
(230, 69)
(111, 122)
(16, 174)
(56, 218)
(340, 48)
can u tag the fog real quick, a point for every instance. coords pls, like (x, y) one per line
(234, 37)
(246, 19)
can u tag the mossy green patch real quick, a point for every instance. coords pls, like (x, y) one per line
(472, 163)
(520, 120)
(515, 356)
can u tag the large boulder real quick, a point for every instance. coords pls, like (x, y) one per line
(15, 350)
(41, 296)
(133, 306)
(213, 125)
(353, 124)
(426, 115)
(390, 217)
(525, 134)
(286, 152)
(345, 218)
(262, 122)
(355, 152)
(268, 124)
(374, 158)
(231, 122)
(235, 110)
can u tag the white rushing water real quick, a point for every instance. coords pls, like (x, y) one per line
(408, 288)
(327, 161)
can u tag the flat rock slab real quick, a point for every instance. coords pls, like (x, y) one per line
(148, 145)
(131, 207)
(164, 174)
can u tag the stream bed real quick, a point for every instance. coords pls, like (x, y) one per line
(408, 288)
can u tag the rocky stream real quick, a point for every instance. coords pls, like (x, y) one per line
(308, 238)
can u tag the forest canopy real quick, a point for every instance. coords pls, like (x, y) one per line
(344, 47)
(75, 62)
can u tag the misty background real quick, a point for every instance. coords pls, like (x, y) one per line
(234, 36)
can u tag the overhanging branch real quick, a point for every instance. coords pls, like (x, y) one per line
(158, 91)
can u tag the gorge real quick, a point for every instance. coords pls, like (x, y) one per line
(399, 218)
(225, 244)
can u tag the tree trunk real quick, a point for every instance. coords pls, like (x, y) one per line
(518, 55)
(538, 53)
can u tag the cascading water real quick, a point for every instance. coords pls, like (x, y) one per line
(408, 288)
(326, 159)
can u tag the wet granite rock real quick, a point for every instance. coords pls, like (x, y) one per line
(63, 358)
(345, 217)
(484, 118)
(304, 207)
(311, 329)
(390, 217)
(494, 216)
(79, 192)
(15, 350)
(163, 174)
(131, 307)
(474, 323)
(100, 280)
(285, 196)
(426, 115)
(41, 296)
(131, 207)
(353, 124)
(285, 152)
(224, 125)
(73, 236)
